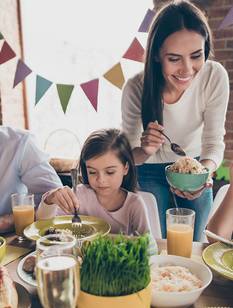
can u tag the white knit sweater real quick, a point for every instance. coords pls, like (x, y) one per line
(195, 121)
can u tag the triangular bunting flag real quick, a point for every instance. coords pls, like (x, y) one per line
(64, 93)
(115, 76)
(228, 20)
(90, 88)
(22, 71)
(6, 53)
(1, 36)
(145, 25)
(42, 85)
(135, 51)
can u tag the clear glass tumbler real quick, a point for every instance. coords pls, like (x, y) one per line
(58, 279)
(180, 225)
(23, 208)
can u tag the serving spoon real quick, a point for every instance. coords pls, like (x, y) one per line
(218, 237)
(174, 147)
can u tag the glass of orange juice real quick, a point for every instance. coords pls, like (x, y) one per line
(23, 208)
(180, 225)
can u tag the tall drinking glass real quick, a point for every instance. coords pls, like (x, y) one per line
(58, 279)
(180, 225)
(23, 212)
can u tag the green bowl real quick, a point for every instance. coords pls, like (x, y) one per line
(186, 181)
(2, 248)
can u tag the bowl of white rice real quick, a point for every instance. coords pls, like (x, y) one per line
(177, 281)
(187, 174)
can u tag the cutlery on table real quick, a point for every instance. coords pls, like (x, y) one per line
(218, 238)
(174, 147)
(76, 220)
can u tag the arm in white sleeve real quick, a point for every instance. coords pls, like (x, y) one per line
(47, 211)
(34, 169)
(216, 100)
(131, 111)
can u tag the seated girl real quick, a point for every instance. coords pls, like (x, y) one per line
(108, 189)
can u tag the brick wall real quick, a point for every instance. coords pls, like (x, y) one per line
(223, 46)
(216, 10)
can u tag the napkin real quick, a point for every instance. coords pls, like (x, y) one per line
(13, 253)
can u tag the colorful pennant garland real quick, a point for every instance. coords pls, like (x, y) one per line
(145, 25)
(64, 93)
(42, 85)
(6, 53)
(135, 51)
(114, 75)
(22, 71)
(90, 88)
(228, 20)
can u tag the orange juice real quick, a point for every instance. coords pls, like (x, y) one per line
(179, 240)
(23, 216)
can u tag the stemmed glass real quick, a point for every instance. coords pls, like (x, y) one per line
(60, 241)
(23, 208)
(58, 278)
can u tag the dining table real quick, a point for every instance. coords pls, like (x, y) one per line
(218, 294)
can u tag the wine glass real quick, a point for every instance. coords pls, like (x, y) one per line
(58, 279)
(23, 208)
(59, 241)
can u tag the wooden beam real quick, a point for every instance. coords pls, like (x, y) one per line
(24, 89)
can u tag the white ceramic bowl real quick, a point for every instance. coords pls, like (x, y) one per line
(180, 299)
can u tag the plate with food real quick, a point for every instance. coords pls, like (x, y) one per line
(219, 257)
(177, 281)
(26, 269)
(91, 227)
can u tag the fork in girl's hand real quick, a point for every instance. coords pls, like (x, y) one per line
(76, 220)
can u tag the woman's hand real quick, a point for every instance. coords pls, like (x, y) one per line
(209, 183)
(152, 139)
(63, 197)
(195, 194)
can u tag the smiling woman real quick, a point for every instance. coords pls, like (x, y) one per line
(183, 94)
(84, 41)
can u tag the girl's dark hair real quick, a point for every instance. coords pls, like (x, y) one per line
(174, 16)
(102, 141)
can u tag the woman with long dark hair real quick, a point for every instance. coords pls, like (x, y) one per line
(183, 94)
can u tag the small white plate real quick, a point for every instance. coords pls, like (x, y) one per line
(28, 278)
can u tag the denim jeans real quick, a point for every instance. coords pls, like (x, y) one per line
(151, 178)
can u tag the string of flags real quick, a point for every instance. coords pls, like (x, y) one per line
(114, 75)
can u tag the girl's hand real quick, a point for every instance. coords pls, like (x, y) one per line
(192, 195)
(151, 139)
(63, 197)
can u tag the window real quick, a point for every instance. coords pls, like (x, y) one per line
(73, 42)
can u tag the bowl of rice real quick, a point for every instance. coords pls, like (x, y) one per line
(187, 174)
(177, 281)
